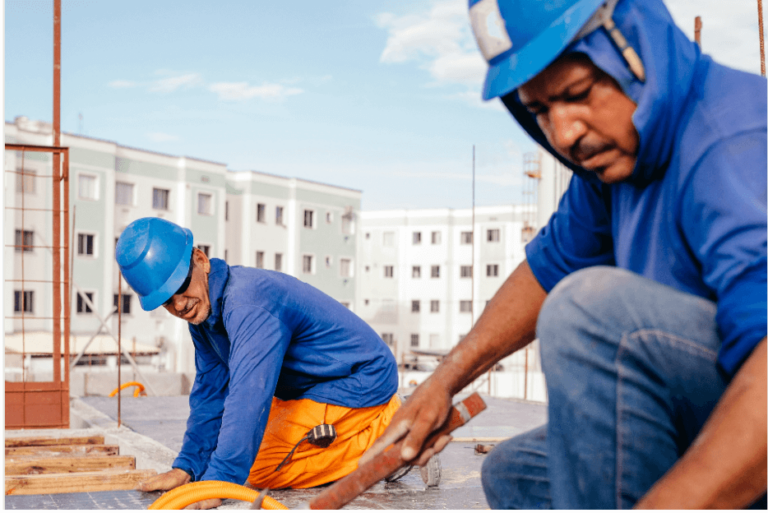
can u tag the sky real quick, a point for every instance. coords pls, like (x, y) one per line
(381, 96)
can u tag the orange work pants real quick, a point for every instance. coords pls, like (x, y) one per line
(289, 422)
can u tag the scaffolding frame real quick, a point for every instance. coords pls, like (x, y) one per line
(34, 404)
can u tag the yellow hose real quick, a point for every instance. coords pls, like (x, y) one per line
(136, 393)
(190, 493)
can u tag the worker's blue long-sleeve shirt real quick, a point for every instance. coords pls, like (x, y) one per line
(270, 334)
(693, 213)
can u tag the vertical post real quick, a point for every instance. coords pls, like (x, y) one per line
(56, 193)
(525, 376)
(472, 276)
(762, 40)
(66, 295)
(23, 302)
(119, 338)
(697, 30)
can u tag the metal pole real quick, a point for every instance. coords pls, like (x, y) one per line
(67, 288)
(23, 303)
(525, 377)
(119, 338)
(472, 276)
(762, 44)
(697, 30)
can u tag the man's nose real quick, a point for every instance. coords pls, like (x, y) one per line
(178, 302)
(566, 128)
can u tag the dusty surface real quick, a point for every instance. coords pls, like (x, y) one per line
(163, 419)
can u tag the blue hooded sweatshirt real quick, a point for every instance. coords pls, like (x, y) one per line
(693, 213)
(270, 334)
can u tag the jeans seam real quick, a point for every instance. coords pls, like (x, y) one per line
(675, 340)
(619, 460)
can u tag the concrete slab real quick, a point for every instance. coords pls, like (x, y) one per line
(163, 419)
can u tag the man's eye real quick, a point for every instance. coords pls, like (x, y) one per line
(579, 95)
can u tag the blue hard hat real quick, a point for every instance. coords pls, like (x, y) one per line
(154, 257)
(519, 38)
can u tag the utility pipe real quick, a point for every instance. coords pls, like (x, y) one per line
(190, 493)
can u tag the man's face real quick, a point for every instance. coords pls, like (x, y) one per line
(193, 305)
(585, 116)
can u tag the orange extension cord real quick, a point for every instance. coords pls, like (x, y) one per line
(136, 393)
(183, 496)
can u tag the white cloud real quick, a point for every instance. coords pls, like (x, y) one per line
(122, 84)
(173, 83)
(161, 137)
(239, 91)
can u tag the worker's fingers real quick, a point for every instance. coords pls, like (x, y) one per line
(418, 433)
(440, 444)
(206, 504)
(392, 435)
(164, 481)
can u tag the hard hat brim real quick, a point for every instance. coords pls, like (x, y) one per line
(172, 284)
(521, 66)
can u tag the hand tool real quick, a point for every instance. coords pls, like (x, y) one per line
(381, 466)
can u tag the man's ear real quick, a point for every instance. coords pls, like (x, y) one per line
(201, 260)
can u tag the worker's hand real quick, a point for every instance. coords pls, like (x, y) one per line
(206, 504)
(424, 412)
(166, 481)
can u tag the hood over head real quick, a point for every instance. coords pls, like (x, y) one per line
(670, 61)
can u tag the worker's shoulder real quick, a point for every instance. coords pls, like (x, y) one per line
(262, 288)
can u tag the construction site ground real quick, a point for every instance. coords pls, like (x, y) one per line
(154, 427)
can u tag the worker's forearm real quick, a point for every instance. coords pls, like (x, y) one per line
(726, 465)
(507, 324)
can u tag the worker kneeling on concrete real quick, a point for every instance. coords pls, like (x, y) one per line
(647, 288)
(274, 357)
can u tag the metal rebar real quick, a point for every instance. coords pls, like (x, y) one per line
(23, 306)
(119, 337)
(762, 41)
(66, 293)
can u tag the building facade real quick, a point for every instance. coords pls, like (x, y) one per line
(298, 227)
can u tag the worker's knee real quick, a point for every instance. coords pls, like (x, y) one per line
(514, 473)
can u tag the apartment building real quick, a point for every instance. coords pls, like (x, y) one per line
(297, 227)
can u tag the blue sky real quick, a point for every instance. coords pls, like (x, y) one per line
(381, 95)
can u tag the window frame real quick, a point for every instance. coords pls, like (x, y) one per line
(167, 197)
(432, 274)
(415, 272)
(491, 233)
(434, 306)
(200, 195)
(462, 270)
(465, 238)
(415, 306)
(494, 268)
(132, 185)
(261, 213)
(95, 178)
(20, 299)
(391, 269)
(91, 294)
(312, 263)
(95, 245)
(312, 219)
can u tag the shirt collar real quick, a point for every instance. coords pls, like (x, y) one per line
(217, 283)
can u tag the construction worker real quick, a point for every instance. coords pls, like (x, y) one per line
(274, 357)
(646, 289)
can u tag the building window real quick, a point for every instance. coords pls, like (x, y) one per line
(83, 307)
(345, 267)
(348, 224)
(123, 193)
(307, 264)
(415, 306)
(85, 244)
(366, 302)
(466, 271)
(205, 248)
(434, 306)
(465, 306)
(126, 303)
(329, 217)
(388, 239)
(24, 302)
(279, 262)
(204, 204)
(367, 268)
(414, 340)
(436, 237)
(416, 271)
(24, 243)
(25, 181)
(492, 270)
(389, 271)
(367, 235)
(435, 271)
(466, 237)
(160, 198)
(416, 238)
(388, 338)
(309, 219)
(328, 262)
(259, 260)
(261, 213)
(86, 187)
(493, 235)
(279, 216)
(226, 211)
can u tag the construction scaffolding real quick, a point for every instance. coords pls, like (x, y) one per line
(38, 220)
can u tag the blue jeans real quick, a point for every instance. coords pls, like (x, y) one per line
(631, 375)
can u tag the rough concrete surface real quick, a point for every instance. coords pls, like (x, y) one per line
(154, 427)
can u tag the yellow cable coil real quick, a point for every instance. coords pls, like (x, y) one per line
(190, 493)
(139, 388)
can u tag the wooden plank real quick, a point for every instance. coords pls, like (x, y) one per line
(62, 450)
(76, 482)
(38, 441)
(28, 466)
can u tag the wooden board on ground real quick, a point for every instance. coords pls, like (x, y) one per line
(37, 441)
(62, 450)
(28, 466)
(76, 482)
